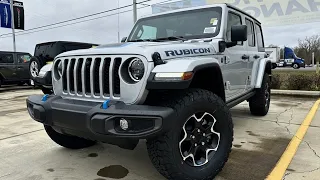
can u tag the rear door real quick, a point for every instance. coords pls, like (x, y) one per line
(23, 60)
(256, 54)
(8, 66)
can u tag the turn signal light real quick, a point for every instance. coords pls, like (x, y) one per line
(173, 76)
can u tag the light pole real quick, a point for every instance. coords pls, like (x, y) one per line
(12, 24)
(134, 11)
(118, 21)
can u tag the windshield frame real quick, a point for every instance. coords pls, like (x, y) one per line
(209, 35)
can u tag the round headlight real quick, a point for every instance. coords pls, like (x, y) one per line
(136, 69)
(58, 69)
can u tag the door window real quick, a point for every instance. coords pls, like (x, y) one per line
(6, 59)
(233, 19)
(24, 58)
(260, 38)
(251, 34)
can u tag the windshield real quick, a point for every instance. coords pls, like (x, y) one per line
(202, 23)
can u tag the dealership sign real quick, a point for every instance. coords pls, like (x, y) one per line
(269, 12)
(6, 14)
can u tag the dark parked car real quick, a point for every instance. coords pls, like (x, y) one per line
(44, 54)
(14, 67)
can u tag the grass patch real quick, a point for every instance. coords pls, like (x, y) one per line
(295, 80)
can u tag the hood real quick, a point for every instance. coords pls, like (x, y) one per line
(167, 50)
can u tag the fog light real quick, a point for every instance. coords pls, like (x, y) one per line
(124, 124)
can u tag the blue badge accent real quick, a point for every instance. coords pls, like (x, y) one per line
(45, 98)
(105, 104)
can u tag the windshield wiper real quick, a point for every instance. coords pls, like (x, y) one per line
(144, 40)
(171, 38)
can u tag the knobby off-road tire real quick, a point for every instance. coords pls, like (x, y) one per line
(164, 151)
(259, 104)
(70, 142)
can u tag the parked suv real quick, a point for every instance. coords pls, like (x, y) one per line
(14, 67)
(40, 64)
(171, 82)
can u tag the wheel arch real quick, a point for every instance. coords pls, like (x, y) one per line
(264, 66)
(206, 76)
(209, 77)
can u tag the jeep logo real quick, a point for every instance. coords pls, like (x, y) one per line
(187, 52)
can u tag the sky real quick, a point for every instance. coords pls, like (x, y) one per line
(105, 30)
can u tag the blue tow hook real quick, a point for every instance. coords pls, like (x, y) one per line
(45, 98)
(105, 104)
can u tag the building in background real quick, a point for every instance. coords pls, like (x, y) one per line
(269, 12)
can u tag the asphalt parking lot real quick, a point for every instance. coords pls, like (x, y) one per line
(27, 153)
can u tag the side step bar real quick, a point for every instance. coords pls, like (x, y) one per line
(239, 100)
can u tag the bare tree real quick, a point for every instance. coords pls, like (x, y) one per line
(307, 46)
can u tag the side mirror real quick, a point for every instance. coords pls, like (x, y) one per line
(124, 39)
(239, 33)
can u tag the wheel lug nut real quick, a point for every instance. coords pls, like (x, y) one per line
(195, 144)
(199, 131)
(193, 137)
(202, 143)
(204, 134)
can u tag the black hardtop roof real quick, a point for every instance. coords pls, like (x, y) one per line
(66, 42)
(243, 12)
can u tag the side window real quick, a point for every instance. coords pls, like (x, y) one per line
(6, 59)
(290, 56)
(233, 19)
(259, 37)
(23, 58)
(251, 34)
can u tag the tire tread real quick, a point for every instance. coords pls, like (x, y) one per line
(159, 149)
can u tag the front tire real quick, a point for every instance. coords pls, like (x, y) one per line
(68, 141)
(200, 116)
(296, 66)
(259, 104)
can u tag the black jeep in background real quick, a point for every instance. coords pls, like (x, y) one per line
(45, 53)
(14, 67)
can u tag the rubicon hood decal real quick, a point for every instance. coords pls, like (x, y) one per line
(183, 52)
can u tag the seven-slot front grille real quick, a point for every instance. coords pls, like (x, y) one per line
(96, 77)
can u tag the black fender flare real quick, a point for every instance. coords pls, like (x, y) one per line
(213, 70)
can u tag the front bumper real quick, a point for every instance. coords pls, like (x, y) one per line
(89, 120)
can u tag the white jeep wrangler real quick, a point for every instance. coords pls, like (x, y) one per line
(171, 82)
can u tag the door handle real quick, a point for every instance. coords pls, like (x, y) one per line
(256, 56)
(245, 57)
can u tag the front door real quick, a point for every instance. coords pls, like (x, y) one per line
(235, 71)
(23, 65)
(7, 66)
(252, 49)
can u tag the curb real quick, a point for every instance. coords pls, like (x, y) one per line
(295, 93)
